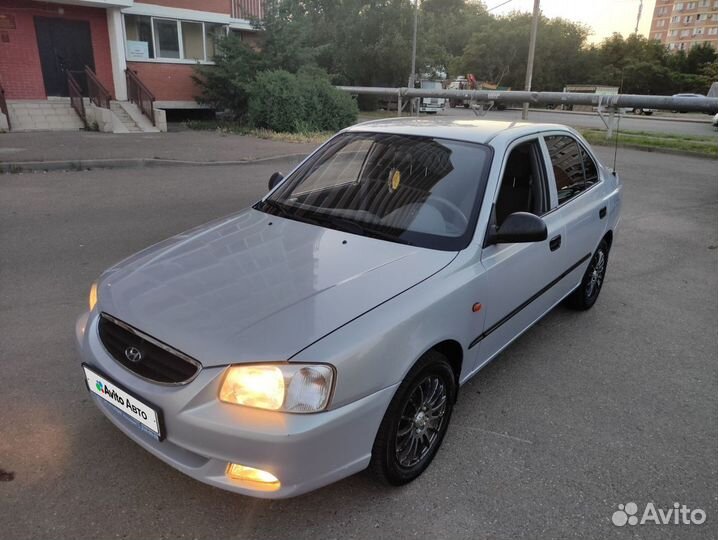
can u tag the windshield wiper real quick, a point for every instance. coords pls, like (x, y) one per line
(280, 208)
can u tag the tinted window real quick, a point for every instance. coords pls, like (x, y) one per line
(567, 164)
(407, 189)
(523, 188)
(589, 168)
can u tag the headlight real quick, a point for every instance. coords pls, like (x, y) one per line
(297, 388)
(93, 296)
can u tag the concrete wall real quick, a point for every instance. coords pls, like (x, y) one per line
(20, 71)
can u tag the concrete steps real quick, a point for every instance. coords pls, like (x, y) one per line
(53, 114)
(124, 118)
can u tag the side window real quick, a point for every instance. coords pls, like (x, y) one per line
(567, 163)
(589, 168)
(523, 185)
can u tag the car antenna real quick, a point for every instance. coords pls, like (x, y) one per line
(618, 127)
(615, 144)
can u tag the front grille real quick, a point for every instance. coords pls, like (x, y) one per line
(155, 361)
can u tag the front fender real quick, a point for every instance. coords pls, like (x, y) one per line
(378, 349)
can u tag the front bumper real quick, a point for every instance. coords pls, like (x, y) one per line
(204, 435)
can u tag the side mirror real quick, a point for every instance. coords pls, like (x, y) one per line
(275, 179)
(519, 227)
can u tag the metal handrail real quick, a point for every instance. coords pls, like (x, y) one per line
(3, 106)
(76, 100)
(99, 95)
(140, 95)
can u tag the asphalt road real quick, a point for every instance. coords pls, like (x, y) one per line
(582, 413)
(684, 124)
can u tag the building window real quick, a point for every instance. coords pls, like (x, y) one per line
(212, 33)
(713, 31)
(704, 3)
(138, 35)
(158, 38)
(691, 5)
(192, 42)
(687, 19)
(678, 7)
(166, 38)
(676, 18)
(657, 36)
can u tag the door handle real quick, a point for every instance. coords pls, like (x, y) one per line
(602, 213)
(555, 243)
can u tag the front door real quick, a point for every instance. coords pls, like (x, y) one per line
(523, 280)
(64, 45)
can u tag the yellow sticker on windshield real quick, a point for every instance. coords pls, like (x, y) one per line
(394, 179)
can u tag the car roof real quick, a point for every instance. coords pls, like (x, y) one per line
(463, 129)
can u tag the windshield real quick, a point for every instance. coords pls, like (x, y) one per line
(413, 190)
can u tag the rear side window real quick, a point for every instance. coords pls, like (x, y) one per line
(589, 168)
(573, 168)
(567, 164)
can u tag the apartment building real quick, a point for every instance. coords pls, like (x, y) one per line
(153, 45)
(682, 25)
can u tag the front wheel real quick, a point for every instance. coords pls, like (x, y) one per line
(416, 421)
(587, 292)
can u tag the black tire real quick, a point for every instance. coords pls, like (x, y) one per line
(637, 110)
(587, 292)
(393, 459)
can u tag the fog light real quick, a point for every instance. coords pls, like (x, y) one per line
(253, 478)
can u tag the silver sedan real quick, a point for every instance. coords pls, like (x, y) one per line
(328, 328)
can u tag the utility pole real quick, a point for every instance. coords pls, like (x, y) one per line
(532, 52)
(638, 18)
(413, 51)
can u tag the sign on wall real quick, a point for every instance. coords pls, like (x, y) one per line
(7, 22)
(137, 50)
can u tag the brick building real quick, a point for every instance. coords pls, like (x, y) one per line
(159, 41)
(681, 25)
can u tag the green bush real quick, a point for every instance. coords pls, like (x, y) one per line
(283, 102)
(224, 85)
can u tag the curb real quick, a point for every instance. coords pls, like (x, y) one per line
(126, 163)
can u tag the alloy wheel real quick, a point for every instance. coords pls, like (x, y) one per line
(421, 421)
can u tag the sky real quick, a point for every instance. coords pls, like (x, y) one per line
(603, 16)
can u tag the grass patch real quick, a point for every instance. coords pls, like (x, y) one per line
(704, 145)
(227, 127)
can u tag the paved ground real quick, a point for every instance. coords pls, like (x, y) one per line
(582, 413)
(182, 146)
(206, 146)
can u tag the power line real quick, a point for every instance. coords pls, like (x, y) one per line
(499, 5)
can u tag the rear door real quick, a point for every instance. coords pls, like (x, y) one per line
(581, 203)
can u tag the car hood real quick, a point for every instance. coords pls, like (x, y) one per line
(256, 287)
